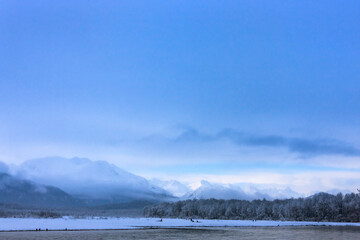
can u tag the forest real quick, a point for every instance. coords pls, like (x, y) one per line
(318, 207)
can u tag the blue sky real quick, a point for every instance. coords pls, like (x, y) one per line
(174, 88)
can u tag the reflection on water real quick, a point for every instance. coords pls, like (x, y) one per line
(304, 232)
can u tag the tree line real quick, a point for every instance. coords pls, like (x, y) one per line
(319, 207)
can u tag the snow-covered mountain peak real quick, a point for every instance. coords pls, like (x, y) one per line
(174, 187)
(205, 183)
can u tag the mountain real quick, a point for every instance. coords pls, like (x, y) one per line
(101, 183)
(209, 190)
(272, 191)
(27, 193)
(242, 191)
(176, 188)
(97, 182)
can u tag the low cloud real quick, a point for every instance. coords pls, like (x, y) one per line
(306, 183)
(305, 148)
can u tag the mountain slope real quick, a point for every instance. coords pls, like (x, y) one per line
(27, 193)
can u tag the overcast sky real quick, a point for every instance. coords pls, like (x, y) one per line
(260, 91)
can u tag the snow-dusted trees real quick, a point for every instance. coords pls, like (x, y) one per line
(319, 207)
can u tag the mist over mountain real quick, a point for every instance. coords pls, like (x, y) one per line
(176, 188)
(240, 191)
(98, 182)
(27, 193)
(3, 168)
(209, 190)
(272, 191)
(335, 191)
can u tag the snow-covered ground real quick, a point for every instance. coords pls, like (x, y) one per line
(69, 223)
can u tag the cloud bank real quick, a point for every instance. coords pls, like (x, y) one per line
(305, 148)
